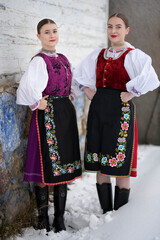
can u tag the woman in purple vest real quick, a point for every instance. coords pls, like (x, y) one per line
(53, 155)
(118, 74)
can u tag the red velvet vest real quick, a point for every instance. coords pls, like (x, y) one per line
(112, 73)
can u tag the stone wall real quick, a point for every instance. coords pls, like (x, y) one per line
(82, 28)
(144, 34)
(12, 147)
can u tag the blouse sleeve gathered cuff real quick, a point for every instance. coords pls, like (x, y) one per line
(143, 76)
(81, 87)
(34, 106)
(84, 74)
(75, 88)
(134, 92)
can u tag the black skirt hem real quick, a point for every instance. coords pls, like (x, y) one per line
(63, 179)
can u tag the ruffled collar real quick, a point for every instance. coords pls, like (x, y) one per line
(114, 54)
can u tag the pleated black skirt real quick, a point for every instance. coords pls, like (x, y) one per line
(58, 142)
(110, 134)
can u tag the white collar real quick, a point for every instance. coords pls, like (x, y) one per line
(114, 54)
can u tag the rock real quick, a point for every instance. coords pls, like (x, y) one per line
(14, 193)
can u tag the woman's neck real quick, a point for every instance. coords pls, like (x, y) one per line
(117, 46)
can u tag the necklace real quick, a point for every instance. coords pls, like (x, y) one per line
(117, 50)
(48, 51)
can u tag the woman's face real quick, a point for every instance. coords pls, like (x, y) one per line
(116, 30)
(48, 36)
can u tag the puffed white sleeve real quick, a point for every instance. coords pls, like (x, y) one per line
(142, 74)
(33, 82)
(84, 75)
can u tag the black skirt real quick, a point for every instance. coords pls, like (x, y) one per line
(58, 142)
(110, 134)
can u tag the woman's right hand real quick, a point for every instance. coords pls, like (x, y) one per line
(89, 92)
(43, 103)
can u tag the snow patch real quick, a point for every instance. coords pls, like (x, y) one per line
(137, 220)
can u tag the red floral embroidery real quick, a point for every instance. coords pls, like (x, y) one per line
(113, 162)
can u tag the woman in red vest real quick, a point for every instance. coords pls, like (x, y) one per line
(118, 74)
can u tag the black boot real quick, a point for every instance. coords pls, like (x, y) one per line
(60, 195)
(42, 205)
(121, 197)
(105, 196)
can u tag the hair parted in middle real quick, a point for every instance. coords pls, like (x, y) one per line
(121, 16)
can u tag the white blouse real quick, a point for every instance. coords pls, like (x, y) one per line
(137, 64)
(33, 82)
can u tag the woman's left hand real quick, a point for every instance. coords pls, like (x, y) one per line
(126, 96)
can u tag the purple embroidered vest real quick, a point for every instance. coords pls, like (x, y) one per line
(59, 75)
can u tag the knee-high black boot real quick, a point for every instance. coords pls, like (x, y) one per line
(42, 205)
(105, 196)
(60, 195)
(121, 197)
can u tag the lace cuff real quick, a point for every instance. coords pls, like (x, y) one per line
(34, 106)
(135, 92)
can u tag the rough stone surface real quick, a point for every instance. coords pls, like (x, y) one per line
(13, 192)
(82, 106)
(144, 34)
(5, 177)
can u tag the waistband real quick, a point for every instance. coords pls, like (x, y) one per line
(57, 97)
(109, 90)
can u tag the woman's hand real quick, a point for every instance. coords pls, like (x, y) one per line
(43, 103)
(89, 92)
(126, 96)
(71, 96)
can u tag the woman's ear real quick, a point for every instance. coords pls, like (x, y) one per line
(38, 36)
(127, 30)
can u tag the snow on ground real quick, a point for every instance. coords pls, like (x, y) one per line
(138, 220)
